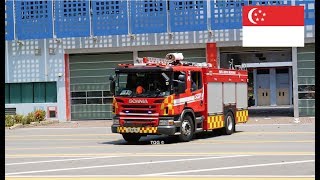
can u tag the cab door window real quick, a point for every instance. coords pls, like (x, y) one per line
(176, 80)
(196, 80)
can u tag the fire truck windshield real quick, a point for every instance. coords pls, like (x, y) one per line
(143, 84)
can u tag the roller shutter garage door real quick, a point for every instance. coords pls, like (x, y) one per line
(89, 84)
(192, 55)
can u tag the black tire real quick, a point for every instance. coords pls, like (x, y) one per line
(229, 124)
(187, 129)
(131, 137)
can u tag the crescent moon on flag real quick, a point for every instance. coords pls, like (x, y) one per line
(250, 16)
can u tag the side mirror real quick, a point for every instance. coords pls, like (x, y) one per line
(112, 87)
(111, 78)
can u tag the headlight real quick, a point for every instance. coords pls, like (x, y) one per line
(166, 122)
(116, 121)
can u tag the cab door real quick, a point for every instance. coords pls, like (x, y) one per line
(196, 88)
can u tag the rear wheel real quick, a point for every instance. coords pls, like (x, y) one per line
(229, 122)
(131, 137)
(187, 129)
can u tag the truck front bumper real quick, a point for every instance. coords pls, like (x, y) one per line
(161, 129)
(167, 130)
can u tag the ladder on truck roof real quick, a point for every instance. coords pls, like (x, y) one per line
(172, 59)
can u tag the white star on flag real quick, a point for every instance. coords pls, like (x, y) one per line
(281, 28)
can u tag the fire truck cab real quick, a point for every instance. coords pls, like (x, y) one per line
(173, 97)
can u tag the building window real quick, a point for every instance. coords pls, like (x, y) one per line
(36, 92)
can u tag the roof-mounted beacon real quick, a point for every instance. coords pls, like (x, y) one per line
(174, 56)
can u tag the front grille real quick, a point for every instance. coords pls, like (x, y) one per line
(140, 109)
(139, 123)
(139, 115)
(139, 106)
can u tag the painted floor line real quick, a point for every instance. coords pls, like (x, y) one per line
(114, 134)
(194, 142)
(60, 160)
(247, 142)
(281, 153)
(57, 147)
(125, 164)
(296, 124)
(163, 178)
(231, 167)
(62, 128)
(198, 175)
(62, 135)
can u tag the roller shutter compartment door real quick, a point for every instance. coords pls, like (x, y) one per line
(89, 84)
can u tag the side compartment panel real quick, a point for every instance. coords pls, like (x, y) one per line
(215, 97)
(242, 95)
(229, 93)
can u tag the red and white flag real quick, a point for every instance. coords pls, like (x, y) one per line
(273, 26)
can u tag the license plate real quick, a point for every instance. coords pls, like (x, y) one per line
(132, 130)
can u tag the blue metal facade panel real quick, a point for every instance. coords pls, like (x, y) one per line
(309, 13)
(188, 15)
(33, 19)
(148, 16)
(9, 27)
(109, 17)
(270, 3)
(72, 18)
(227, 14)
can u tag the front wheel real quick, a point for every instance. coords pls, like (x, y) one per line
(229, 124)
(187, 129)
(131, 137)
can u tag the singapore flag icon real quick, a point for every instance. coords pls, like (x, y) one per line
(273, 26)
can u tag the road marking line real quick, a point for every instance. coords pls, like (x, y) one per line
(231, 167)
(246, 142)
(39, 139)
(62, 128)
(165, 154)
(59, 160)
(132, 177)
(167, 176)
(194, 142)
(126, 164)
(271, 132)
(61, 135)
(108, 127)
(58, 147)
(115, 134)
(246, 125)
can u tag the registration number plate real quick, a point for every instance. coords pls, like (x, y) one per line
(132, 130)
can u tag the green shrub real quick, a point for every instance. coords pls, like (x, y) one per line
(9, 120)
(25, 120)
(30, 118)
(39, 115)
(18, 118)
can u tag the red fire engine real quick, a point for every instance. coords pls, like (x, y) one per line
(173, 97)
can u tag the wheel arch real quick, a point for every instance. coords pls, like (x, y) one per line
(230, 108)
(190, 112)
